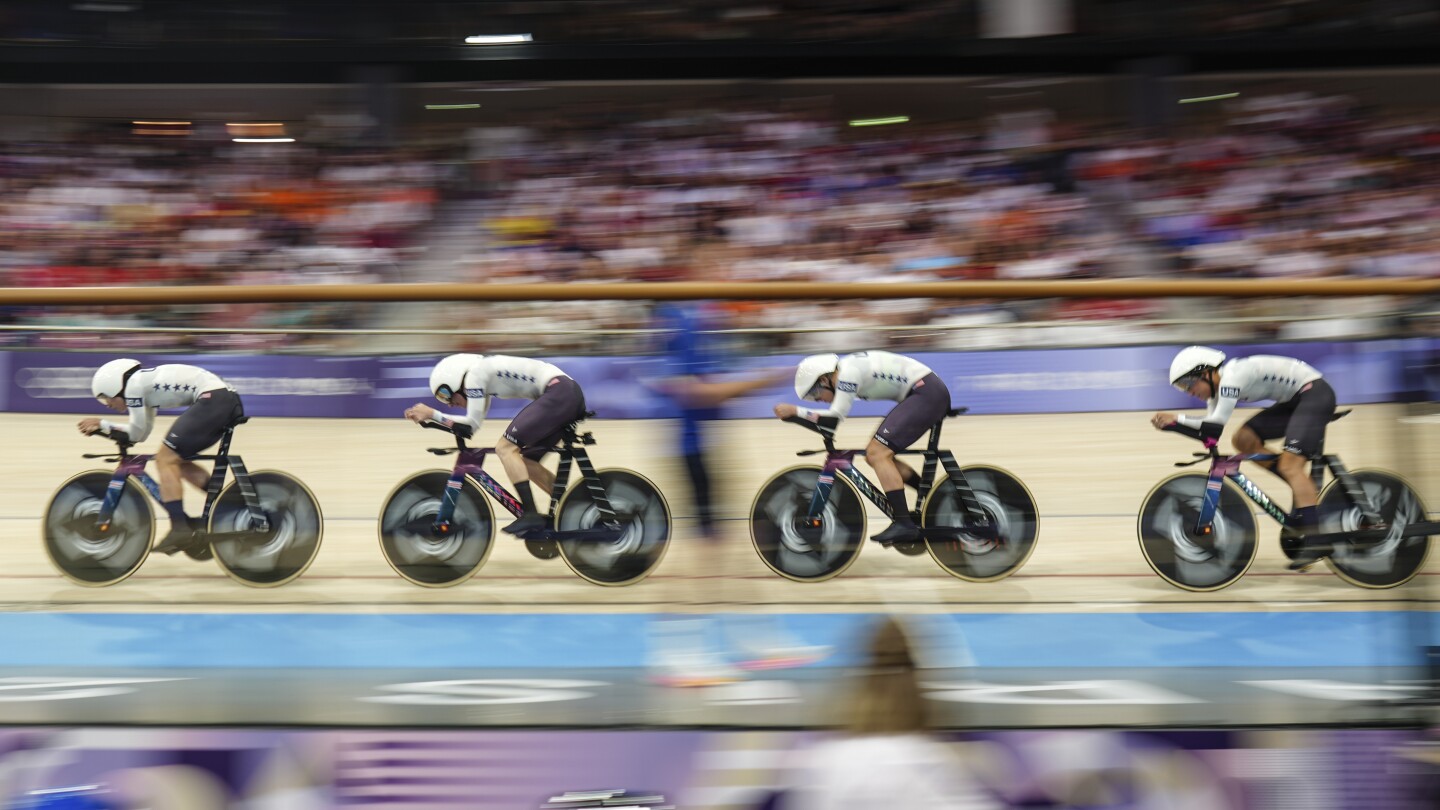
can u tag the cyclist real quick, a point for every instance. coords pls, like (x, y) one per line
(211, 407)
(469, 381)
(924, 401)
(1304, 405)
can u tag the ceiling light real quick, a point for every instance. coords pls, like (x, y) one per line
(876, 122)
(497, 39)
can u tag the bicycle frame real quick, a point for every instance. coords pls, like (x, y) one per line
(843, 463)
(1223, 467)
(471, 460)
(134, 467)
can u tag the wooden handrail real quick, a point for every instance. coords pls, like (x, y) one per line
(733, 291)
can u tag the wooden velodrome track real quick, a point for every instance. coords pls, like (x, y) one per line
(1088, 473)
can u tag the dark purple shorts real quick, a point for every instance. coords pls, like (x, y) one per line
(1301, 420)
(923, 409)
(203, 423)
(536, 429)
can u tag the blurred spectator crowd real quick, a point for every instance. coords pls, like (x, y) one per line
(100, 209)
(445, 22)
(1295, 186)
(1288, 185)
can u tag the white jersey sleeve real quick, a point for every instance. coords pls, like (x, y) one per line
(477, 405)
(477, 390)
(1214, 420)
(141, 414)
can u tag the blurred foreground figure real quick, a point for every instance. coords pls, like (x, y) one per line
(887, 757)
(699, 383)
(700, 380)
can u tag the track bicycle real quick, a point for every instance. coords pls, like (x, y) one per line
(1199, 532)
(263, 528)
(437, 529)
(808, 523)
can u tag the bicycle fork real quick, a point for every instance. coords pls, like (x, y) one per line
(469, 465)
(131, 466)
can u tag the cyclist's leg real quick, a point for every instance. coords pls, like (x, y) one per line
(1246, 440)
(537, 426)
(539, 474)
(199, 427)
(536, 472)
(908, 476)
(926, 406)
(882, 459)
(168, 466)
(195, 475)
(567, 404)
(1266, 426)
(1304, 438)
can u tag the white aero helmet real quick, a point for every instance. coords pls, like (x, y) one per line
(1191, 361)
(810, 370)
(448, 377)
(109, 380)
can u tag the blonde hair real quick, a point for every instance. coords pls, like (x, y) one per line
(887, 699)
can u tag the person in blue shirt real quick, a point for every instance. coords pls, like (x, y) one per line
(698, 379)
(692, 382)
